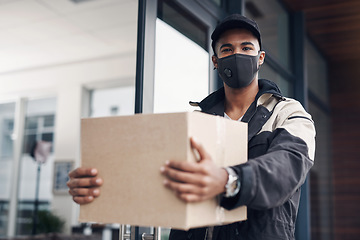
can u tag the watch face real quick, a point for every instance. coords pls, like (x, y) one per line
(232, 186)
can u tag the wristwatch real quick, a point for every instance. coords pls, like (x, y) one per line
(232, 186)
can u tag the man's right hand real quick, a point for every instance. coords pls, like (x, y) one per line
(84, 185)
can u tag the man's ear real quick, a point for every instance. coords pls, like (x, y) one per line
(215, 62)
(261, 58)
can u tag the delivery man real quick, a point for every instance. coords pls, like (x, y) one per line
(281, 146)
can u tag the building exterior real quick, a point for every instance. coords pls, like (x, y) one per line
(67, 59)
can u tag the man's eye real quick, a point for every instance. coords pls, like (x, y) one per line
(247, 48)
(226, 50)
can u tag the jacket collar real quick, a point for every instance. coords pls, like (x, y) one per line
(214, 103)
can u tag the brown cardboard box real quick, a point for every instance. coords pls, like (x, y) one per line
(128, 151)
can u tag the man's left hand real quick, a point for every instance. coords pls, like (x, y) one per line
(195, 181)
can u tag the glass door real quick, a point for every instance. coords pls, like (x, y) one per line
(177, 63)
(7, 115)
(181, 70)
(36, 179)
(182, 56)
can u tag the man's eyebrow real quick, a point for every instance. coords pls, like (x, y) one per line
(230, 45)
(247, 43)
(226, 45)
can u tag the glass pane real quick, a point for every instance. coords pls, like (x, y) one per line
(217, 2)
(41, 112)
(29, 143)
(273, 21)
(36, 129)
(181, 70)
(48, 137)
(31, 123)
(185, 23)
(285, 86)
(112, 101)
(61, 175)
(7, 111)
(320, 177)
(6, 144)
(316, 72)
(49, 121)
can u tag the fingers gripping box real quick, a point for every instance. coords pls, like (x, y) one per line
(128, 151)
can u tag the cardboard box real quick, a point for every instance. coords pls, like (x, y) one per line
(128, 151)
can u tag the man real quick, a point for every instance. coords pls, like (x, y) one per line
(280, 147)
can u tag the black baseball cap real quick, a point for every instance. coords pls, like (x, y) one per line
(235, 21)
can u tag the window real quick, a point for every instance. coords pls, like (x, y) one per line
(182, 74)
(38, 128)
(286, 87)
(112, 101)
(320, 174)
(320, 177)
(39, 125)
(7, 112)
(6, 142)
(217, 2)
(317, 73)
(273, 21)
(62, 169)
(183, 22)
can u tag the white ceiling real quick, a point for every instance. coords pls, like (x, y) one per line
(38, 33)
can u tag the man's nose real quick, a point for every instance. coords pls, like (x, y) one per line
(237, 51)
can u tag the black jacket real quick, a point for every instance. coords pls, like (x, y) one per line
(281, 145)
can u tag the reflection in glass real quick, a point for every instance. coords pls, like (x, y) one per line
(61, 177)
(183, 22)
(273, 21)
(37, 128)
(7, 111)
(316, 73)
(285, 86)
(320, 177)
(29, 142)
(112, 101)
(49, 121)
(321, 172)
(39, 125)
(217, 2)
(31, 123)
(181, 70)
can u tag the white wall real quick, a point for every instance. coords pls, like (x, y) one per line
(65, 78)
(65, 82)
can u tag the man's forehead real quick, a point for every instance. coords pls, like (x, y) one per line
(238, 34)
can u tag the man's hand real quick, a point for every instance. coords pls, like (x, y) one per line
(195, 182)
(84, 185)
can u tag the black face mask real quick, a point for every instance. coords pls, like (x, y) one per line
(238, 70)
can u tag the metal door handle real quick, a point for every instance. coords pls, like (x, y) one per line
(155, 236)
(147, 236)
